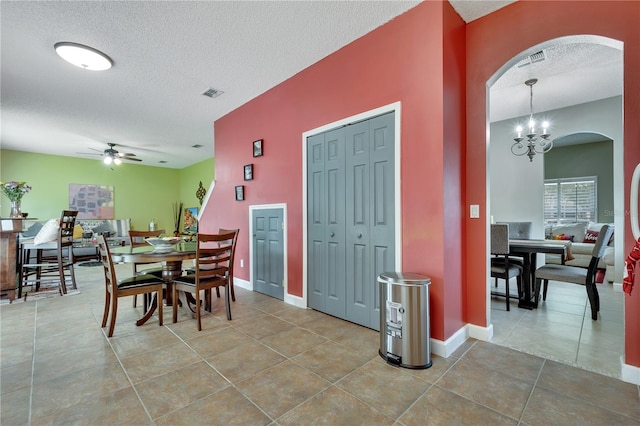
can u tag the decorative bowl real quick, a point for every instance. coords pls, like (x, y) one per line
(163, 243)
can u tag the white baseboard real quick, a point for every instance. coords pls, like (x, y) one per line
(449, 346)
(237, 282)
(629, 373)
(294, 300)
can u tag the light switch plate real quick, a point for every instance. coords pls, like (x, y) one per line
(474, 211)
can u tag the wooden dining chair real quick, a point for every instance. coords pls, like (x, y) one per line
(49, 261)
(136, 239)
(114, 288)
(501, 266)
(214, 257)
(233, 243)
(576, 274)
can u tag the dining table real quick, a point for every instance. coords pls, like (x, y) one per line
(528, 250)
(171, 260)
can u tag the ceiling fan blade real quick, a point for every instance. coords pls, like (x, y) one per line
(130, 159)
(89, 153)
(97, 150)
(126, 154)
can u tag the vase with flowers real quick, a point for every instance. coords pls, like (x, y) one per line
(14, 191)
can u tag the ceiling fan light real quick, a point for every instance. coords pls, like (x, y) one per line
(107, 160)
(117, 161)
(83, 56)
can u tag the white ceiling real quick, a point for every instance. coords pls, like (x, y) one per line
(166, 54)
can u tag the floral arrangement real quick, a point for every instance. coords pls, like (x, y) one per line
(14, 190)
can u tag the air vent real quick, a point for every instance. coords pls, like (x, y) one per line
(197, 146)
(213, 93)
(162, 162)
(532, 59)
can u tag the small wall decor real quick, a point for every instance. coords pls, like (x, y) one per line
(248, 172)
(240, 193)
(207, 196)
(200, 193)
(257, 148)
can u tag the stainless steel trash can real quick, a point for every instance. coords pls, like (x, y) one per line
(404, 319)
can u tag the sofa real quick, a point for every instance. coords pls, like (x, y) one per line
(582, 235)
(117, 231)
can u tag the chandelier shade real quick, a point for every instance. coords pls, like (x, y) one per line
(535, 143)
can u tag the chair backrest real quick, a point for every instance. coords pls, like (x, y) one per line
(67, 223)
(110, 279)
(601, 242)
(499, 238)
(214, 254)
(233, 248)
(518, 230)
(136, 238)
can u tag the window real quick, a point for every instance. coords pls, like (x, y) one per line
(571, 199)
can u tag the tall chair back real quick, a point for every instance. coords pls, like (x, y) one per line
(214, 257)
(500, 239)
(576, 274)
(136, 239)
(501, 266)
(53, 259)
(114, 288)
(233, 250)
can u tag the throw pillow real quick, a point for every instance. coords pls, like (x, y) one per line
(590, 236)
(103, 229)
(77, 232)
(49, 232)
(32, 231)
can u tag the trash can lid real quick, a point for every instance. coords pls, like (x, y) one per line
(409, 278)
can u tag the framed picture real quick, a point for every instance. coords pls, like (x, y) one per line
(257, 148)
(248, 172)
(240, 193)
(91, 201)
(190, 221)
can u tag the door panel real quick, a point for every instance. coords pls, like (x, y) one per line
(268, 257)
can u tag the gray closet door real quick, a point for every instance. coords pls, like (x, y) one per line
(350, 199)
(268, 256)
(370, 215)
(325, 209)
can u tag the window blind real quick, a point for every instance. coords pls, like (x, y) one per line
(571, 200)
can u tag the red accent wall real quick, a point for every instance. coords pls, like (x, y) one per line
(491, 42)
(417, 59)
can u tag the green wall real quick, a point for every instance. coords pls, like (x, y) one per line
(190, 178)
(141, 192)
(590, 159)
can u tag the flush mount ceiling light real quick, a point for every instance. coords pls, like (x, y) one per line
(83, 56)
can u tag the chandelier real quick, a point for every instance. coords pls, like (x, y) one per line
(531, 146)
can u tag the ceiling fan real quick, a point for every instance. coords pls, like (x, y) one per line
(112, 155)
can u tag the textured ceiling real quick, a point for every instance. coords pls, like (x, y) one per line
(166, 54)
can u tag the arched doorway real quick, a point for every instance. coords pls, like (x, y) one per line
(515, 185)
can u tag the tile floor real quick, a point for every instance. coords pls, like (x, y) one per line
(272, 365)
(561, 328)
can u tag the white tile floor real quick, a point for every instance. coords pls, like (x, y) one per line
(562, 329)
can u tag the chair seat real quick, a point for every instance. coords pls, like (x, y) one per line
(500, 269)
(190, 279)
(571, 274)
(138, 280)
